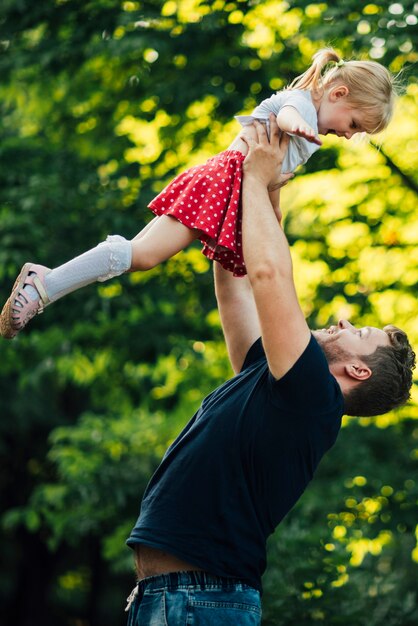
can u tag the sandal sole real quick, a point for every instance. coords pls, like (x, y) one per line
(7, 330)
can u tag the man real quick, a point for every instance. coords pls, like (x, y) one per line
(248, 453)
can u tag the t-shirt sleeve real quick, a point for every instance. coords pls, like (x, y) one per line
(300, 150)
(294, 98)
(308, 386)
(303, 105)
(254, 354)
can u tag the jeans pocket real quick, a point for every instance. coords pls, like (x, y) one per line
(152, 610)
(225, 608)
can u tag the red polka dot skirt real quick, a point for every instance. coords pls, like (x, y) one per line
(208, 198)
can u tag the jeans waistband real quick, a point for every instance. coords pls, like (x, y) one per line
(178, 580)
(199, 580)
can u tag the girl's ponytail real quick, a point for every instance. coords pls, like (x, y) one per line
(312, 78)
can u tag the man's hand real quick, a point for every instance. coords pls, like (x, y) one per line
(273, 153)
(264, 159)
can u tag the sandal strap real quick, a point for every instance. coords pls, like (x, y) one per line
(44, 300)
(19, 317)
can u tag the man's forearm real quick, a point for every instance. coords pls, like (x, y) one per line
(274, 195)
(228, 287)
(284, 331)
(238, 314)
(265, 244)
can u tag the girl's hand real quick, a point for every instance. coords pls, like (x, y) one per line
(307, 132)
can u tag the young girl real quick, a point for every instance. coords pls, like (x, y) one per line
(332, 96)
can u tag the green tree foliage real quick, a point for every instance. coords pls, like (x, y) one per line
(102, 103)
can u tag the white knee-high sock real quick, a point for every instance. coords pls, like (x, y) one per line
(110, 258)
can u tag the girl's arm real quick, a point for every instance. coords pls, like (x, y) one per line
(290, 120)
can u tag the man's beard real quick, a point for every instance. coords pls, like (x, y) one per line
(333, 352)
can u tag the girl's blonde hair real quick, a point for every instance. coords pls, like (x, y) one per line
(372, 88)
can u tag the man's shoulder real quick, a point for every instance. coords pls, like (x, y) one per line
(309, 385)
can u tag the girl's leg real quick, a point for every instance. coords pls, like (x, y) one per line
(109, 259)
(37, 286)
(146, 228)
(163, 239)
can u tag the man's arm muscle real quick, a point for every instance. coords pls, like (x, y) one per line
(283, 327)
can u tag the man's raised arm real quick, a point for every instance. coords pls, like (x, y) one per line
(238, 314)
(284, 330)
(235, 298)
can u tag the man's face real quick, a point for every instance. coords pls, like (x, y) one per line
(344, 339)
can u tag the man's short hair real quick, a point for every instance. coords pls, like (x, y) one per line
(390, 382)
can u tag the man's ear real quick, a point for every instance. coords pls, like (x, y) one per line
(358, 371)
(341, 91)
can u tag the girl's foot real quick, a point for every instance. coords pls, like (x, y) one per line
(28, 298)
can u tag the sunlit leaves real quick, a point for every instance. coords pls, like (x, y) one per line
(268, 24)
(102, 103)
(387, 30)
(363, 225)
(363, 553)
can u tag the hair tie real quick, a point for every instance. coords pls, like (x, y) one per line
(339, 63)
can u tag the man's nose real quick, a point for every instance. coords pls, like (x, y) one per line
(348, 134)
(345, 324)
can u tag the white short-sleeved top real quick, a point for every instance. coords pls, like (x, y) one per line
(300, 150)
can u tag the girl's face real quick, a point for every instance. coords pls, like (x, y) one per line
(335, 116)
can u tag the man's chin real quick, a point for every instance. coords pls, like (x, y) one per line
(321, 335)
(329, 346)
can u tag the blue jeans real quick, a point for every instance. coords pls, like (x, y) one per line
(194, 599)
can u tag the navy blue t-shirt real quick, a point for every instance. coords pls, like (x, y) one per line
(240, 465)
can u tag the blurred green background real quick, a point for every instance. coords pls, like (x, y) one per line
(102, 103)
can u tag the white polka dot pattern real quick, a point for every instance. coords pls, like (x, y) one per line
(208, 198)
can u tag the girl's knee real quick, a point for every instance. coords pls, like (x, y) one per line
(143, 258)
